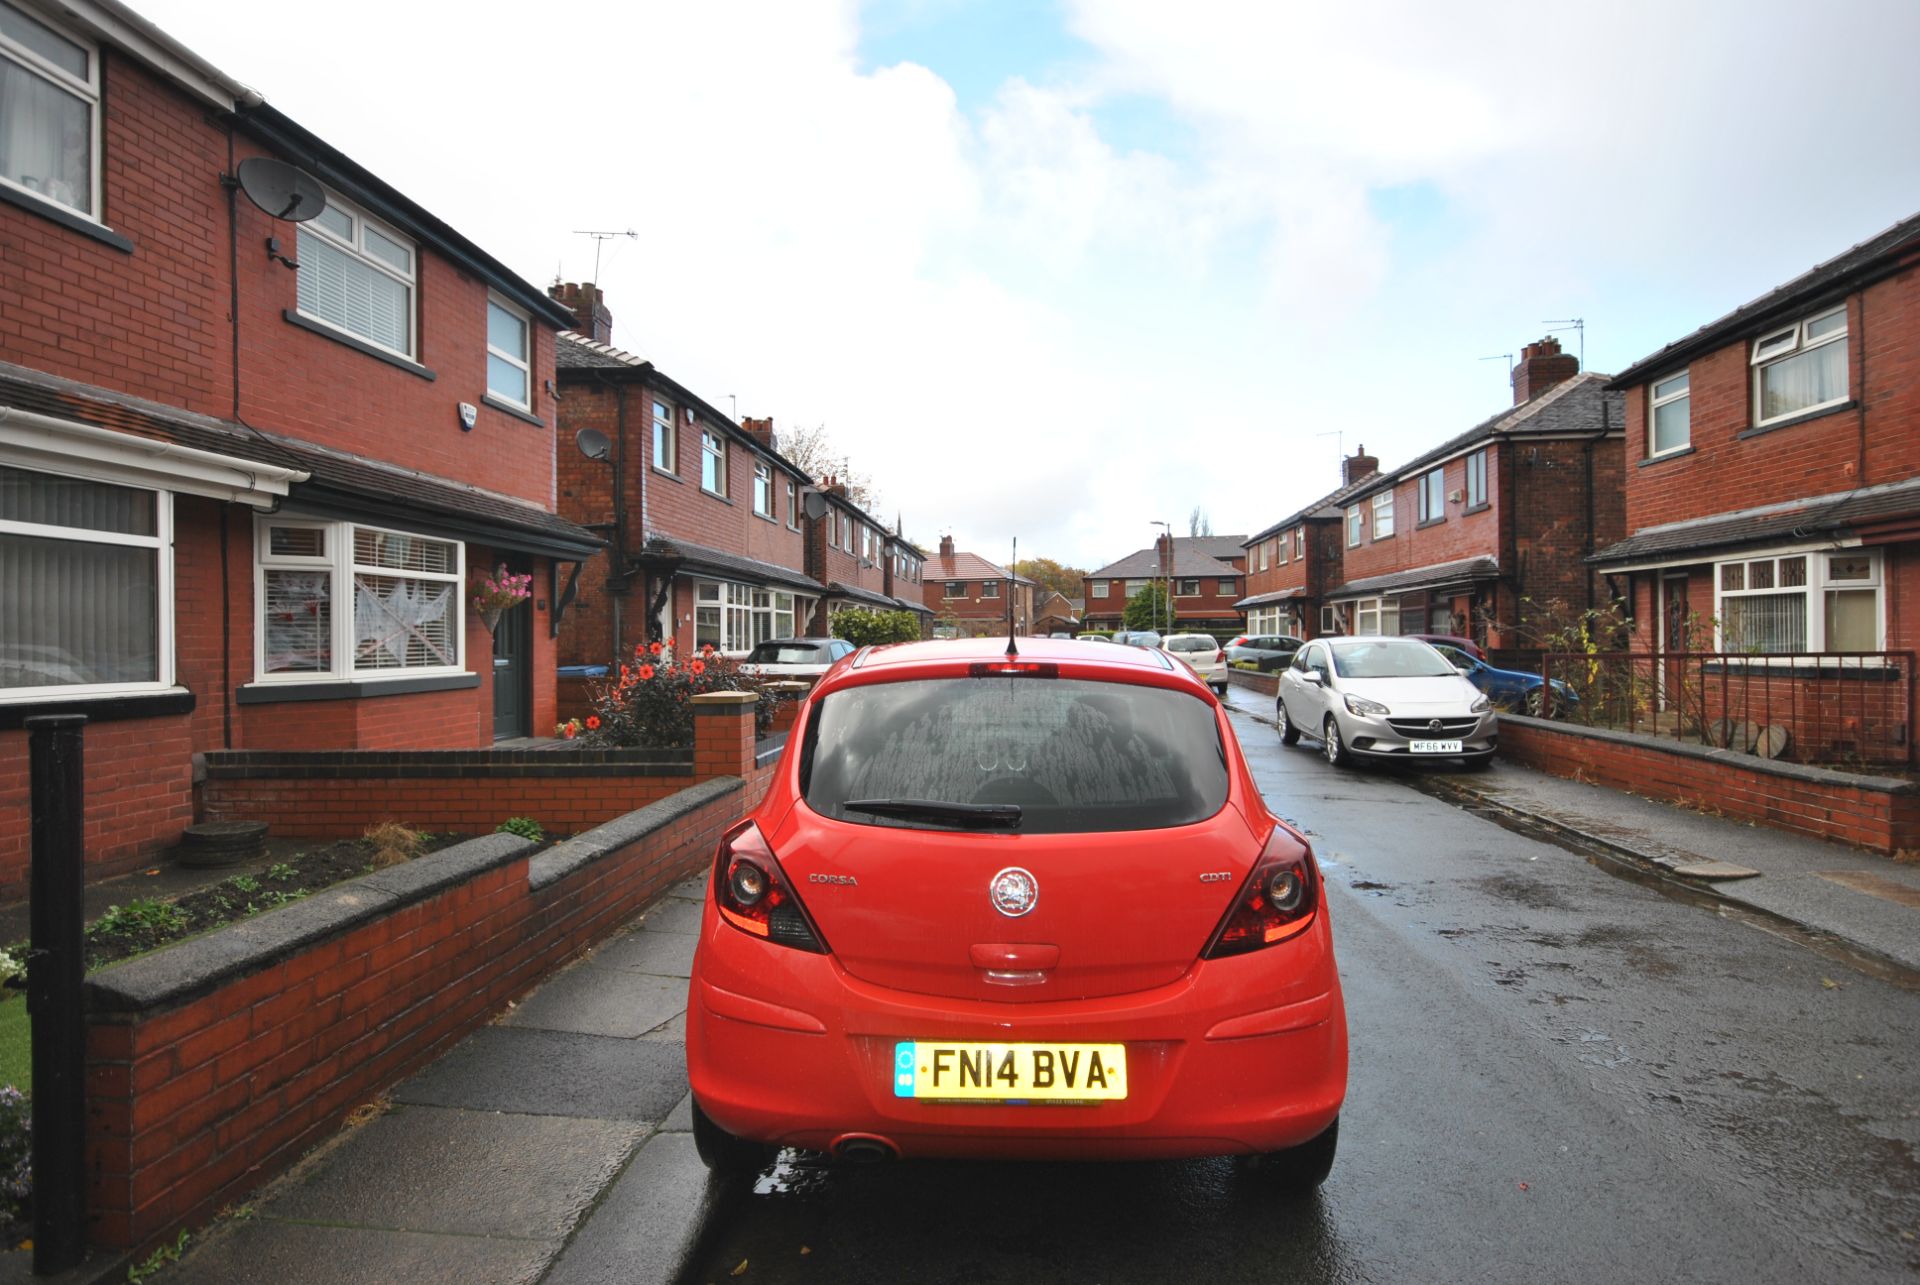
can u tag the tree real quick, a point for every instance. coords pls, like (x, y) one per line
(813, 451)
(1198, 523)
(1049, 574)
(1147, 609)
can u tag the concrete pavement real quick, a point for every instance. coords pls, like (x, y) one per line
(553, 1146)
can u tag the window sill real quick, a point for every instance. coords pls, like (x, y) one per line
(340, 689)
(508, 408)
(54, 212)
(766, 517)
(98, 709)
(715, 495)
(1651, 460)
(360, 345)
(1381, 539)
(1421, 526)
(1794, 421)
(1481, 507)
(667, 473)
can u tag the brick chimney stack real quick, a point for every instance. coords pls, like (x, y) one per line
(946, 547)
(1358, 465)
(760, 430)
(1542, 365)
(1163, 550)
(591, 317)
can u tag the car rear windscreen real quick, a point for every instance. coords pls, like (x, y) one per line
(1076, 755)
(1192, 644)
(787, 654)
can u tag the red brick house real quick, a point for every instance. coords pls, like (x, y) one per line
(1488, 533)
(975, 597)
(705, 521)
(1205, 572)
(907, 579)
(861, 564)
(1773, 494)
(240, 504)
(1291, 564)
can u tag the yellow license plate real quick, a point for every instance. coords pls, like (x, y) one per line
(958, 1070)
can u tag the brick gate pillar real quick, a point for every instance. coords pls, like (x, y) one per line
(723, 734)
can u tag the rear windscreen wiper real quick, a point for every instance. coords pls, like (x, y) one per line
(980, 815)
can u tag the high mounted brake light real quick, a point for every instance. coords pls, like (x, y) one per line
(1027, 668)
(1278, 900)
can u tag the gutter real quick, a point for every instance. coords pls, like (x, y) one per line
(138, 35)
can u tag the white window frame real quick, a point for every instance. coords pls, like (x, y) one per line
(1280, 543)
(1300, 544)
(793, 505)
(1431, 488)
(1354, 522)
(1180, 584)
(1376, 611)
(1476, 487)
(1383, 514)
(521, 361)
(666, 439)
(1819, 581)
(357, 249)
(763, 489)
(1097, 588)
(161, 541)
(87, 90)
(1793, 341)
(1333, 619)
(713, 447)
(1264, 546)
(340, 564)
(1658, 401)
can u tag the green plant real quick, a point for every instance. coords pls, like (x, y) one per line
(525, 827)
(13, 962)
(164, 1256)
(244, 883)
(648, 702)
(141, 915)
(274, 898)
(864, 628)
(16, 1150)
(1147, 608)
(281, 872)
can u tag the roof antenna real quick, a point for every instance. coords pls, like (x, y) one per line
(1571, 323)
(1013, 571)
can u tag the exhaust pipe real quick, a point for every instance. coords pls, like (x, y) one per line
(864, 1149)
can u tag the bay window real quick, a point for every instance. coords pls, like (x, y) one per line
(86, 579)
(1816, 601)
(1800, 368)
(733, 617)
(49, 112)
(339, 600)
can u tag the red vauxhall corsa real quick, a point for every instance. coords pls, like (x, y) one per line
(1016, 905)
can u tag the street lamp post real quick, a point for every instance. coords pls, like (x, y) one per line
(1168, 568)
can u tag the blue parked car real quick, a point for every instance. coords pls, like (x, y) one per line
(1514, 689)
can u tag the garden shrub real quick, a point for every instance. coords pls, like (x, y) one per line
(647, 702)
(864, 628)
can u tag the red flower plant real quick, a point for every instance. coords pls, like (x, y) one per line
(593, 722)
(655, 649)
(646, 673)
(696, 667)
(568, 731)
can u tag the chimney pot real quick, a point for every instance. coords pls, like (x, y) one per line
(1541, 366)
(591, 317)
(1358, 465)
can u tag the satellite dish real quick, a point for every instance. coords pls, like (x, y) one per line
(593, 443)
(815, 504)
(282, 190)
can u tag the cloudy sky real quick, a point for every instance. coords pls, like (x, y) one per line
(1056, 270)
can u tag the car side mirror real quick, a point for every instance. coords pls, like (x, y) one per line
(1311, 676)
(1464, 665)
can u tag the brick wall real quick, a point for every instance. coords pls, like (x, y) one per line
(1879, 814)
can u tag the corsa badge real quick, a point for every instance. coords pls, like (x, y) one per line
(1013, 892)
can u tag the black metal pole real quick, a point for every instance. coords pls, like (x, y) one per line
(55, 968)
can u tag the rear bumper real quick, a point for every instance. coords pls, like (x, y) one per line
(1240, 1055)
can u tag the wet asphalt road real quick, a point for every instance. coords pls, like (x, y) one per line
(1557, 1075)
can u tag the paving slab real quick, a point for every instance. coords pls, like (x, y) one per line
(603, 1000)
(506, 1068)
(694, 889)
(270, 1252)
(674, 915)
(671, 1031)
(472, 1173)
(647, 1224)
(664, 954)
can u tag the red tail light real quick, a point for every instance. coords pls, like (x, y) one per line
(753, 894)
(1278, 900)
(1220, 657)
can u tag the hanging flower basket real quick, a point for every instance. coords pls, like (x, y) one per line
(497, 592)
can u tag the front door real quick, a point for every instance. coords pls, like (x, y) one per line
(512, 675)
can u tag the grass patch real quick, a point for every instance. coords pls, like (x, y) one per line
(16, 1045)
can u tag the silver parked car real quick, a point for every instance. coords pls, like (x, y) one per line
(1384, 698)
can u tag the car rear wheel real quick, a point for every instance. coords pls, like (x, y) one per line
(1289, 734)
(1335, 748)
(1534, 702)
(724, 1153)
(1297, 1170)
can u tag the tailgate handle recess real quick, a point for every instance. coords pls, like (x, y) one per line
(1014, 963)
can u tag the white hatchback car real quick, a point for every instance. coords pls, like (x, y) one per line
(1384, 698)
(1204, 654)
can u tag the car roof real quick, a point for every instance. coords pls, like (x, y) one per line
(787, 642)
(952, 657)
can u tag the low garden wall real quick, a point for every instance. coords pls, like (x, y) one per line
(214, 1064)
(1878, 813)
(1266, 684)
